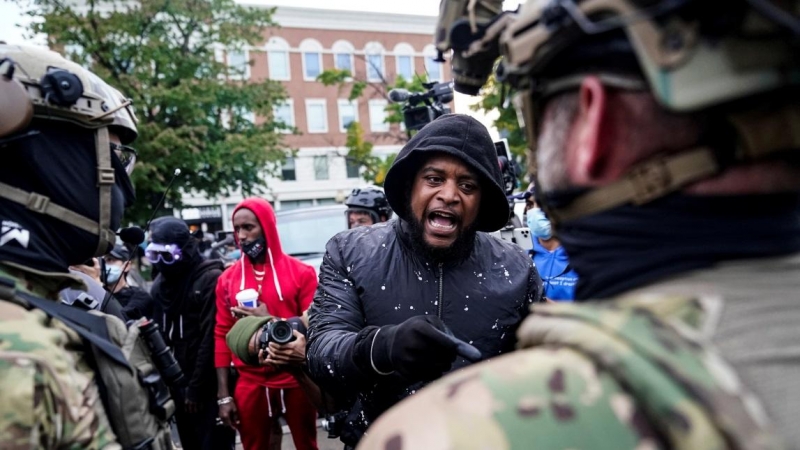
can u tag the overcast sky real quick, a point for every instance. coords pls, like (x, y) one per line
(11, 16)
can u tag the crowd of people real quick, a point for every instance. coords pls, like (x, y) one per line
(655, 309)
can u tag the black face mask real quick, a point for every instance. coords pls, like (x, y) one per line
(255, 249)
(61, 163)
(633, 246)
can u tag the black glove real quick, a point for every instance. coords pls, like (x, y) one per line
(417, 349)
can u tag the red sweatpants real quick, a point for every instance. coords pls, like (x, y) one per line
(259, 406)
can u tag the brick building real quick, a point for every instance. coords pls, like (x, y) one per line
(373, 46)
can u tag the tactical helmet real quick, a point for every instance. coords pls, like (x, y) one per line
(124, 119)
(691, 55)
(36, 82)
(369, 199)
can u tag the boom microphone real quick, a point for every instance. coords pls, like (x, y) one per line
(399, 95)
(131, 235)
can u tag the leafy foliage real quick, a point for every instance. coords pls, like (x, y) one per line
(195, 112)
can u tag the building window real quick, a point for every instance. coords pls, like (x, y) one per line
(278, 59)
(343, 56)
(344, 61)
(239, 64)
(374, 59)
(320, 167)
(375, 67)
(348, 113)
(404, 59)
(353, 168)
(317, 115)
(288, 172)
(283, 114)
(405, 66)
(326, 201)
(312, 59)
(312, 66)
(377, 116)
(432, 68)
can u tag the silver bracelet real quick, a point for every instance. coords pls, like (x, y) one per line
(224, 401)
(372, 363)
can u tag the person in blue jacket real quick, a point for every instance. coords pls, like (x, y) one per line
(550, 258)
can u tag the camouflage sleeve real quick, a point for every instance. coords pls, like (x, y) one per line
(533, 399)
(48, 395)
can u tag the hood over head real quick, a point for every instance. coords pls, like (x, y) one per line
(465, 138)
(266, 217)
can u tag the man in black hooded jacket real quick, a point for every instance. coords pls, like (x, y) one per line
(184, 290)
(389, 292)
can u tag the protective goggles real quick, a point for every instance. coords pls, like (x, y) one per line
(126, 155)
(166, 253)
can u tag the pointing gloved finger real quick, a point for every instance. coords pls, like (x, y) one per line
(466, 351)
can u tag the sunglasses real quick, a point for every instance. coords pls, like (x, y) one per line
(166, 253)
(126, 155)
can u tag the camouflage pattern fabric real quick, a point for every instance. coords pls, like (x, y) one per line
(48, 395)
(630, 374)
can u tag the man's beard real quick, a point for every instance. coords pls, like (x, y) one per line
(459, 250)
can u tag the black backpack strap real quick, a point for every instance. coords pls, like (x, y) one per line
(89, 327)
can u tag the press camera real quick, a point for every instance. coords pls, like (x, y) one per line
(421, 108)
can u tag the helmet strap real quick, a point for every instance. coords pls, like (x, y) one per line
(41, 204)
(761, 134)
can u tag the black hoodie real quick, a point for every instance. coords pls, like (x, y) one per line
(373, 276)
(185, 292)
(466, 139)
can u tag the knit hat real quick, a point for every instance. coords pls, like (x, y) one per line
(465, 138)
(238, 338)
(170, 230)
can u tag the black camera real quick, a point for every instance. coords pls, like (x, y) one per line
(280, 332)
(423, 107)
(162, 356)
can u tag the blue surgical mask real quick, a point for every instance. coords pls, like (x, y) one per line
(538, 224)
(113, 274)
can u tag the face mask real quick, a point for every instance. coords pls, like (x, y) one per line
(538, 224)
(113, 274)
(255, 249)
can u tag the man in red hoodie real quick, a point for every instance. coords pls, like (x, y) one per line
(285, 288)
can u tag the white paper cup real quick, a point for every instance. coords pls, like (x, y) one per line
(248, 298)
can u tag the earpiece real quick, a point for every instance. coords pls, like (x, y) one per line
(17, 110)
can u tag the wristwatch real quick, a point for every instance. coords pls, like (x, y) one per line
(224, 400)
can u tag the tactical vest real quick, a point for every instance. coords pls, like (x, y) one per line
(135, 399)
(652, 348)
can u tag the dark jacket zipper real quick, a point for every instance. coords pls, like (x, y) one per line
(441, 285)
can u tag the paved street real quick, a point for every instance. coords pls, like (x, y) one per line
(322, 440)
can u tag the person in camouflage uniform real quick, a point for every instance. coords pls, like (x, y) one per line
(667, 136)
(64, 183)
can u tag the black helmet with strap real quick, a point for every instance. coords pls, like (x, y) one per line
(369, 199)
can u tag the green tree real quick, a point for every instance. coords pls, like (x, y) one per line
(359, 149)
(195, 112)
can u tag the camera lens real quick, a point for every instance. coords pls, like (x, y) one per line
(281, 332)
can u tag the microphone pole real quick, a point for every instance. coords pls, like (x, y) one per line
(146, 226)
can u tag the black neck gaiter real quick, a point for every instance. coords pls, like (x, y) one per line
(632, 246)
(61, 163)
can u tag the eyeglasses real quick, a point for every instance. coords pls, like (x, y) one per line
(126, 155)
(166, 253)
